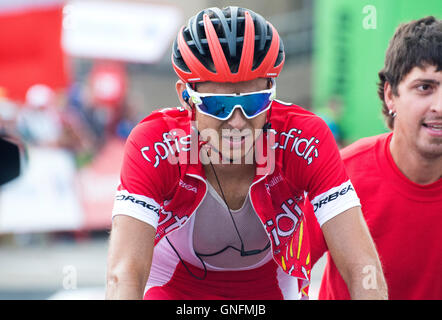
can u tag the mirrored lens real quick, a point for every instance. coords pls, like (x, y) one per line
(222, 106)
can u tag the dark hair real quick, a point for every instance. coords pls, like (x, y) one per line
(414, 44)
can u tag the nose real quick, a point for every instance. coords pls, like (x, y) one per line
(237, 120)
(437, 103)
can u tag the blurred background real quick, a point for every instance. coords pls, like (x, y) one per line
(76, 76)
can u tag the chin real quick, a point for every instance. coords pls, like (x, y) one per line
(431, 150)
(237, 156)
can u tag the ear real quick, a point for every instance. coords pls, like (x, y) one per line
(180, 86)
(389, 96)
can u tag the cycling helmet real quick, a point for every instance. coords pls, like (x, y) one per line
(229, 45)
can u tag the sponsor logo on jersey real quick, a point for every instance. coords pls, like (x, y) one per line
(332, 197)
(123, 197)
(305, 148)
(170, 221)
(174, 142)
(286, 222)
(273, 182)
(187, 186)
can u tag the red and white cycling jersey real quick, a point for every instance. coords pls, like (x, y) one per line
(163, 183)
(210, 230)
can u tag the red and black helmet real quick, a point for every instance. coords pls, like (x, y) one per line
(229, 45)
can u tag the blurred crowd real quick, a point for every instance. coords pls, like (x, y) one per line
(81, 119)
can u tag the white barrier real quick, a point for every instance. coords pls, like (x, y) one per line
(44, 198)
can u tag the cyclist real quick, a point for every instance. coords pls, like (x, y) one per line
(218, 185)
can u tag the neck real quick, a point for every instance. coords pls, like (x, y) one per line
(231, 181)
(414, 165)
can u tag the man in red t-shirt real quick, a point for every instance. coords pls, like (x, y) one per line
(398, 175)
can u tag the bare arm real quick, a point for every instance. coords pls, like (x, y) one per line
(354, 253)
(129, 258)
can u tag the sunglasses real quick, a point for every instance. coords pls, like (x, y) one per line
(221, 106)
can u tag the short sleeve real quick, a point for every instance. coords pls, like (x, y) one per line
(146, 176)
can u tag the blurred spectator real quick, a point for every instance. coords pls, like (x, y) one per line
(98, 109)
(331, 114)
(38, 122)
(109, 85)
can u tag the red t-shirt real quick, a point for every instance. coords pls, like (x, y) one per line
(405, 221)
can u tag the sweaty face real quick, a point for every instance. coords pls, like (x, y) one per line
(418, 124)
(232, 138)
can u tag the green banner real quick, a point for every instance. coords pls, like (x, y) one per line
(350, 40)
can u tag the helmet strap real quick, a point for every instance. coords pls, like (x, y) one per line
(268, 125)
